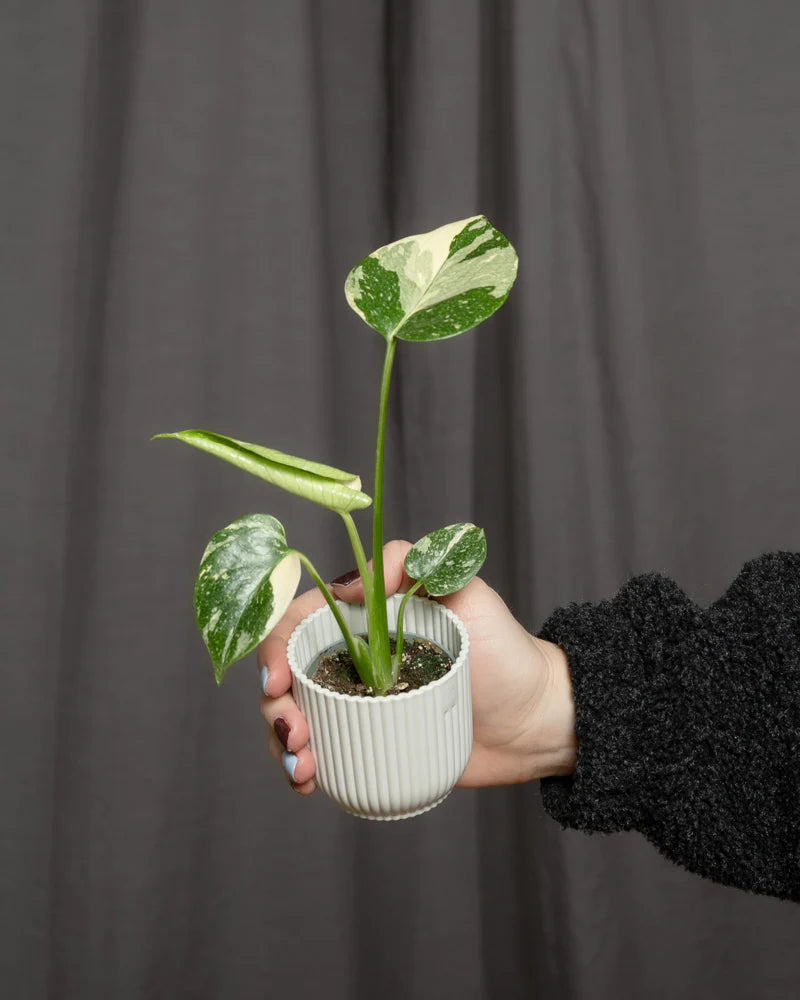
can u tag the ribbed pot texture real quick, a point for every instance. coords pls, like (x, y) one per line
(396, 756)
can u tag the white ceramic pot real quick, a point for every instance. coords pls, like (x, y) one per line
(400, 755)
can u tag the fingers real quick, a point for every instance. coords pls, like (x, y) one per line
(296, 768)
(276, 679)
(284, 717)
(287, 736)
(350, 588)
(287, 729)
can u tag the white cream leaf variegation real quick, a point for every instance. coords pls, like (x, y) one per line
(248, 577)
(448, 558)
(434, 285)
(324, 485)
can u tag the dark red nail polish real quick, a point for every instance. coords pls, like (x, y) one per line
(346, 579)
(282, 731)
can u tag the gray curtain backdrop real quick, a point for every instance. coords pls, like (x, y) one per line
(184, 185)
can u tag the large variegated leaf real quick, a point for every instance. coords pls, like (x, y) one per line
(329, 487)
(434, 285)
(448, 558)
(248, 577)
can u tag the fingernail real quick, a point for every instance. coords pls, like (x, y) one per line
(346, 579)
(281, 727)
(264, 678)
(289, 761)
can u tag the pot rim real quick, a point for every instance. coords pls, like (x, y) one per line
(318, 691)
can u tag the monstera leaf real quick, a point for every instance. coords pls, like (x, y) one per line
(248, 577)
(329, 487)
(447, 559)
(435, 285)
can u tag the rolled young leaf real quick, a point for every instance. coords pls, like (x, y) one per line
(248, 577)
(434, 285)
(447, 559)
(324, 485)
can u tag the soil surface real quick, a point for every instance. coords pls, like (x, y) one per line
(423, 662)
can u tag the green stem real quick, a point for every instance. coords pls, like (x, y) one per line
(355, 646)
(398, 652)
(361, 557)
(378, 621)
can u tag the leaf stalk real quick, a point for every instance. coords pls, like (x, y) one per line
(361, 557)
(377, 618)
(355, 645)
(397, 660)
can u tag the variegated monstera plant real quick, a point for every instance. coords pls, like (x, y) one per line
(422, 288)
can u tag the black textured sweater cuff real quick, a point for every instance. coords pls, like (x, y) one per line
(688, 722)
(627, 703)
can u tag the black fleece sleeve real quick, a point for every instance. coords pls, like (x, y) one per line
(688, 723)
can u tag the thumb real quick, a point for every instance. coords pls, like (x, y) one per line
(475, 601)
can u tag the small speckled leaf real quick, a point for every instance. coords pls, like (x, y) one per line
(448, 558)
(329, 487)
(434, 285)
(248, 577)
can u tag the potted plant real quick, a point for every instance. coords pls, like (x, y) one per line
(392, 749)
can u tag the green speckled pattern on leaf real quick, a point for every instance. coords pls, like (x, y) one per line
(434, 285)
(324, 485)
(448, 558)
(248, 577)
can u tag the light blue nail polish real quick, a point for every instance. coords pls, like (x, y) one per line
(264, 678)
(289, 761)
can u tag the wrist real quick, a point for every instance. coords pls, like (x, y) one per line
(554, 736)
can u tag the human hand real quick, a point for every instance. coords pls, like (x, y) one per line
(523, 713)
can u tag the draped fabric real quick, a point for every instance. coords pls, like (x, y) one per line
(184, 186)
